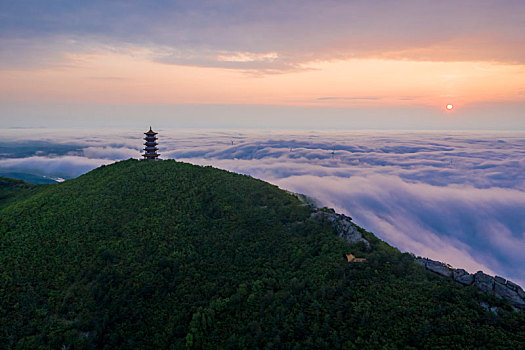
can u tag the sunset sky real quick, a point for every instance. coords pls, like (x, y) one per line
(271, 64)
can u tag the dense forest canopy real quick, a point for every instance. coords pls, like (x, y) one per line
(168, 255)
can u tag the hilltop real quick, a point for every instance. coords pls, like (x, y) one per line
(164, 254)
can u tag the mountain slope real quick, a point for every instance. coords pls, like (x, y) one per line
(12, 190)
(31, 178)
(165, 254)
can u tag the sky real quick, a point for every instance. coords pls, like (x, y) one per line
(455, 196)
(274, 64)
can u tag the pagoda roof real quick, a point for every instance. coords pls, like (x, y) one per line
(150, 132)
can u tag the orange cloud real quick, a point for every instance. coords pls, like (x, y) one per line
(109, 77)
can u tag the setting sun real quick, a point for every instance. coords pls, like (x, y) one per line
(449, 107)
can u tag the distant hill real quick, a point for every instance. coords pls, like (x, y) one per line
(12, 190)
(168, 255)
(31, 178)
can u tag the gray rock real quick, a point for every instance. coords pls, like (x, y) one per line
(422, 262)
(439, 268)
(463, 277)
(500, 280)
(502, 291)
(494, 285)
(484, 305)
(484, 282)
(344, 226)
(512, 285)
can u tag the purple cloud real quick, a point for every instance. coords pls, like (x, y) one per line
(266, 36)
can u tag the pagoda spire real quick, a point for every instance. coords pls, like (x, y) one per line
(150, 151)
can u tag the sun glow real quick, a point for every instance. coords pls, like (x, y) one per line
(109, 77)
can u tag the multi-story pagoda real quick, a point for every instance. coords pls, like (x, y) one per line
(150, 151)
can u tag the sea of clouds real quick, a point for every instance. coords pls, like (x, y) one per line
(457, 197)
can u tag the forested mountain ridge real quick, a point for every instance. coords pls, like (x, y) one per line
(168, 255)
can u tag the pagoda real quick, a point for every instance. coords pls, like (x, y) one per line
(150, 151)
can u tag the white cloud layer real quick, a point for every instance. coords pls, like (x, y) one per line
(455, 197)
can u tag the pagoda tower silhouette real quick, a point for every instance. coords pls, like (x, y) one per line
(150, 151)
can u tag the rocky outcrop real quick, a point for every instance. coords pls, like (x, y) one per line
(346, 229)
(436, 266)
(497, 286)
(484, 282)
(516, 288)
(511, 293)
(487, 307)
(463, 277)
